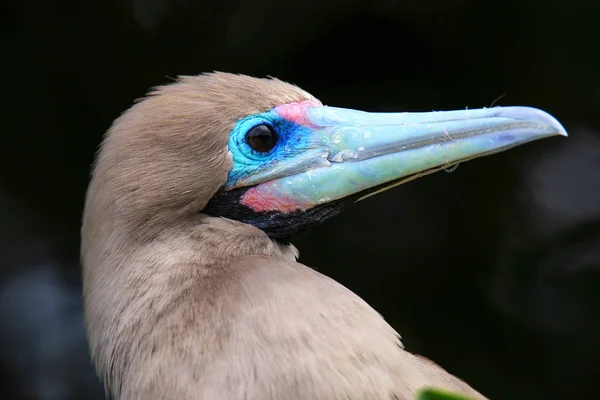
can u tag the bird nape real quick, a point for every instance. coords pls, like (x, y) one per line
(191, 288)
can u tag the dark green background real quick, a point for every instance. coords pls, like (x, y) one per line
(493, 271)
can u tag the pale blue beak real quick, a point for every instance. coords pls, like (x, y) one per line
(346, 152)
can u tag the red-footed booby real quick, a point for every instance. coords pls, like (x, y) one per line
(191, 287)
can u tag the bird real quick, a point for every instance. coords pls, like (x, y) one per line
(191, 285)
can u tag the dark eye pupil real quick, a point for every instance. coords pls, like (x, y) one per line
(262, 138)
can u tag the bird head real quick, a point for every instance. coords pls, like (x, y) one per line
(269, 154)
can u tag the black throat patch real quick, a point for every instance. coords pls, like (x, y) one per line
(280, 226)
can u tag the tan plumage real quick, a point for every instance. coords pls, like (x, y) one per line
(181, 305)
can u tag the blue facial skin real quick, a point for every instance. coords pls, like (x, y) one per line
(252, 167)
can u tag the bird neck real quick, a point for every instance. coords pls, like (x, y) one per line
(135, 291)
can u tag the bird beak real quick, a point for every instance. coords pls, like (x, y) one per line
(349, 152)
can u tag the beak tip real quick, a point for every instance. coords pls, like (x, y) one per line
(563, 132)
(555, 124)
(546, 121)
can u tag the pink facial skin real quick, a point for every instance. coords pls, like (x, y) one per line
(259, 200)
(296, 112)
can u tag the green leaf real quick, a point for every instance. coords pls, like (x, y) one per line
(438, 394)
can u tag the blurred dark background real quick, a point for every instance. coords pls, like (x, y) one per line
(492, 271)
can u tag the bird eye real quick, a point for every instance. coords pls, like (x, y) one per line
(262, 138)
